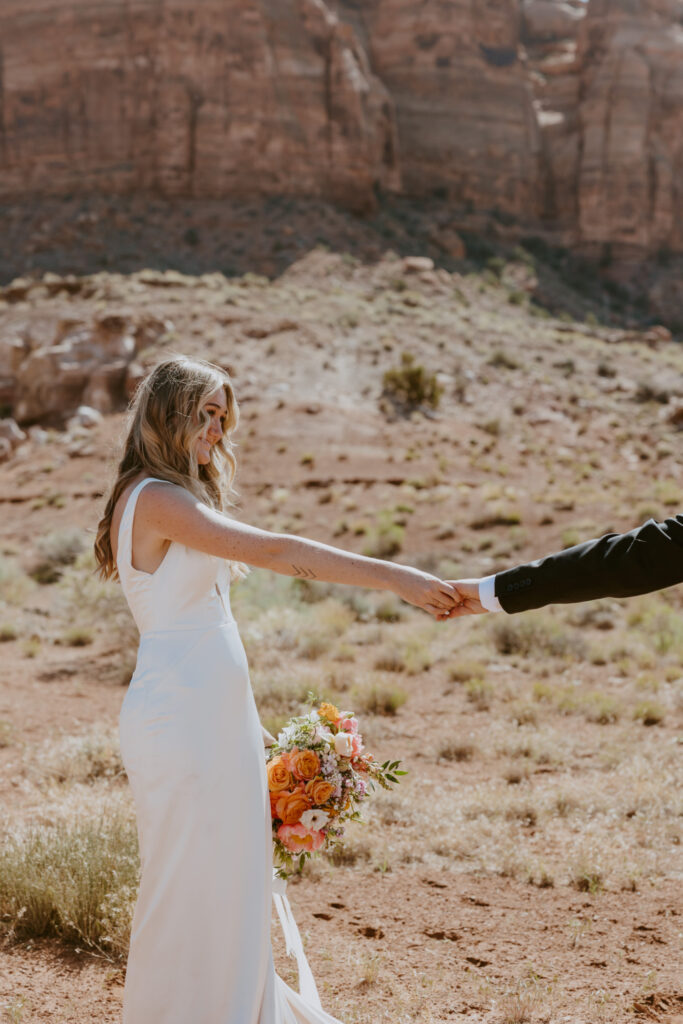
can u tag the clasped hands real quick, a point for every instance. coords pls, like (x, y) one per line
(464, 595)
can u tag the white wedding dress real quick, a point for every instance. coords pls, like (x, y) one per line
(192, 747)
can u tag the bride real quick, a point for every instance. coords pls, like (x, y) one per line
(191, 740)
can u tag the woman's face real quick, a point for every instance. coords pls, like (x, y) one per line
(216, 408)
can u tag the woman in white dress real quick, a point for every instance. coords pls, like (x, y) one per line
(191, 740)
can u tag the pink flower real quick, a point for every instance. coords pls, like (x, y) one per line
(349, 724)
(356, 746)
(298, 838)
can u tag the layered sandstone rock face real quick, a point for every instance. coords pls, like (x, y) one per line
(193, 97)
(609, 89)
(567, 116)
(631, 114)
(464, 103)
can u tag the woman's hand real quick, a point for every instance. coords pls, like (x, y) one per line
(427, 592)
(268, 738)
(466, 598)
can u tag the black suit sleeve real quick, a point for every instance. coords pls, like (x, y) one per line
(616, 565)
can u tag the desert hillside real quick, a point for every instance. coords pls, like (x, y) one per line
(528, 868)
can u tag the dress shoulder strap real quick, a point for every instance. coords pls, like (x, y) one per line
(125, 544)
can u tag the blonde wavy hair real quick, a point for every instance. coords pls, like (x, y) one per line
(166, 422)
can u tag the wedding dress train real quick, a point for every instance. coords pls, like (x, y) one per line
(192, 747)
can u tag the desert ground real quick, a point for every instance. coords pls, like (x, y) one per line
(528, 868)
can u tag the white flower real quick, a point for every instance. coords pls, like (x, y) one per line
(314, 819)
(288, 733)
(343, 744)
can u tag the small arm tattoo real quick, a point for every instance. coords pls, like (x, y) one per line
(304, 574)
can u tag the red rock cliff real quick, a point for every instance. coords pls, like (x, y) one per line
(195, 97)
(568, 116)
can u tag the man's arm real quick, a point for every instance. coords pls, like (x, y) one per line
(647, 558)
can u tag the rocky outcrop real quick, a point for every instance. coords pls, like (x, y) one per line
(49, 368)
(208, 98)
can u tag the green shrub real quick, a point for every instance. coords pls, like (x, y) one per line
(649, 713)
(385, 539)
(454, 751)
(479, 691)
(466, 669)
(55, 551)
(6, 733)
(78, 636)
(389, 660)
(504, 360)
(410, 385)
(388, 609)
(378, 698)
(536, 634)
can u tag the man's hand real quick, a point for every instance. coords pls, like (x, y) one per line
(467, 598)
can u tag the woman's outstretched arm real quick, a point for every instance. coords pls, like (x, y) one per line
(172, 513)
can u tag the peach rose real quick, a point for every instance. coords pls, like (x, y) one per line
(291, 806)
(348, 724)
(297, 838)
(319, 791)
(329, 711)
(279, 777)
(305, 764)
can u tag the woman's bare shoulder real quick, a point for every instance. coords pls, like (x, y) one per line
(151, 497)
(161, 502)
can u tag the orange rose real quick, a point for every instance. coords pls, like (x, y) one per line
(279, 777)
(305, 764)
(330, 712)
(291, 806)
(319, 791)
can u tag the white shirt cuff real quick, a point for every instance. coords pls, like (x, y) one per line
(487, 594)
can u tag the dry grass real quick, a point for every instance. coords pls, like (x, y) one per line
(74, 879)
(76, 758)
(15, 584)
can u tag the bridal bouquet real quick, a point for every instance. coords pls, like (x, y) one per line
(318, 775)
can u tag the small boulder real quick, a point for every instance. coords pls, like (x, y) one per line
(38, 435)
(85, 416)
(674, 416)
(417, 264)
(11, 433)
